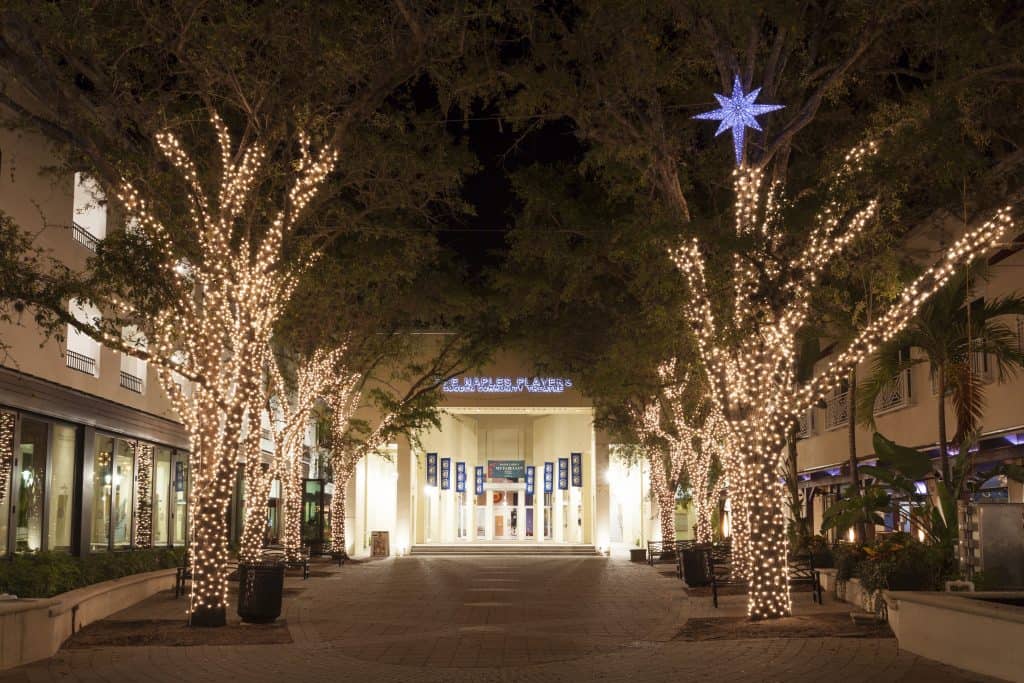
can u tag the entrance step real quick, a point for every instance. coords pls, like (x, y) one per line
(527, 549)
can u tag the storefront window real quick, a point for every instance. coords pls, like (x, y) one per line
(161, 494)
(123, 488)
(62, 487)
(102, 476)
(179, 494)
(31, 480)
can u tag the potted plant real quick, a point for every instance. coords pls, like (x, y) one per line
(637, 554)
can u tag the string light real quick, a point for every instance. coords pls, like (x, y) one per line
(217, 329)
(6, 452)
(143, 494)
(749, 356)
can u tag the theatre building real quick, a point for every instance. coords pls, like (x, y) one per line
(516, 460)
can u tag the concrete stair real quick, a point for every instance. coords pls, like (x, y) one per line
(495, 549)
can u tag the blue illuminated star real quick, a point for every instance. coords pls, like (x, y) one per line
(738, 112)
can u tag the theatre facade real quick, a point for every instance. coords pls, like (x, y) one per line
(516, 460)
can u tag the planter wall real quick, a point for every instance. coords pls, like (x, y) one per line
(849, 591)
(33, 629)
(961, 631)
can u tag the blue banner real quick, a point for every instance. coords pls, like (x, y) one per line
(563, 474)
(431, 469)
(446, 473)
(460, 477)
(577, 469)
(531, 472)
(479, 471)
(549, 477)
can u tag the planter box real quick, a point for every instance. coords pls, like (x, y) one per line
(966, 630)
(33, 629)
(638, 554)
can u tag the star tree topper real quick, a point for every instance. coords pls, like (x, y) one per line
(738, 112)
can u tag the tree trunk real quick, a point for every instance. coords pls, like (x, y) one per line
(666, 500)
(768, 594)
(291, 488)
(861, 528)
(338, 500)
(943, 450)
(254, 522)
(209, 549)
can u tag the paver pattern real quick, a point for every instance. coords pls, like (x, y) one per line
(502, 619)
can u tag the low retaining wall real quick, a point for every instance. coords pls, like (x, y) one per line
(850, 591)
(32, 629)
(952, 628)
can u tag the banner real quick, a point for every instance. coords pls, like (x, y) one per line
(549, 477)
(431, 469)
(563, 474)
(460, 477)
(506, 469)
(577, 469)
(446, 474)
(530, 474)
(479, 480)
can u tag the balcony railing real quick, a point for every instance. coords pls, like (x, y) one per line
(805, 428)
(80, 362)
(131, 382)
(837, 411)
(83, 236)
(895, 394)
(981, 366)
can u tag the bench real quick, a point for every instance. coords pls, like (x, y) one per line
(680, 547)
(183, 574)
(665, 551)
(803, 572)
(301, 562)
(339, 557)
(719, 567)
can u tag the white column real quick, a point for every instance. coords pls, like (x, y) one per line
(521, 517)
(489, 517)
(538, 514)
(405, 498)
(558, 512)
(598, 479)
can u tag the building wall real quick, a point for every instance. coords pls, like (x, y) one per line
(916, 424)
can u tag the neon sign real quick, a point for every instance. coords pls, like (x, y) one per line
(506, 385)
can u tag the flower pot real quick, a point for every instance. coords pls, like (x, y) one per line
(638, 554)
(260, 591)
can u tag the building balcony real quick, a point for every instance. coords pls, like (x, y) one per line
(131, 382)
(83, 236)
(805, 425)
(837, 411)
(894, 395)
(80, 362)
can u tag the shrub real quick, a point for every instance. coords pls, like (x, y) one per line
(43, 575)
(900, 562)
(846, 560)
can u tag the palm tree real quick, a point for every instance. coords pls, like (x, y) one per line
(948, 332)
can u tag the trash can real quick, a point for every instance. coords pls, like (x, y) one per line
(695, 567)
(260, 591)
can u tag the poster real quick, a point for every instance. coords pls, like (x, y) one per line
(446, 474)
(460, 477)
(431, 469)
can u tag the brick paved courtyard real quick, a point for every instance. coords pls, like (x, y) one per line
(494, 619)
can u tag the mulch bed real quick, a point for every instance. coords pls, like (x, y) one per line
(826, 625)
(705, 591)
(175, 633)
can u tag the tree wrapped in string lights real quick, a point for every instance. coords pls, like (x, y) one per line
(217, 328)
(6, 452)
(748, 344)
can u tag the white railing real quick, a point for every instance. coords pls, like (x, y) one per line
(805, 428)
(837, 411)
(895, 394)
(981, 366)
